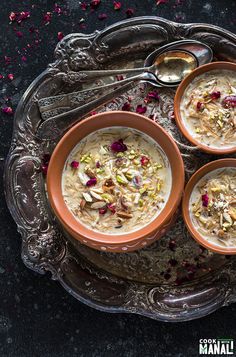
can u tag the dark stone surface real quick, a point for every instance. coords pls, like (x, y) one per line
(37, 317)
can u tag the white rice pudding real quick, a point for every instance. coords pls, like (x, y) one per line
(208, 109)
(116, 180)
(213, 207)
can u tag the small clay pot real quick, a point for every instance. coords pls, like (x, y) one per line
(222, 163)
(120, 242)
(179, 95)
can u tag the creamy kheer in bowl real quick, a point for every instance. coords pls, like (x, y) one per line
(205, 107)
(115, 181)
(209, 206)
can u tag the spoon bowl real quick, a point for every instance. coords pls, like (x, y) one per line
(172, 66)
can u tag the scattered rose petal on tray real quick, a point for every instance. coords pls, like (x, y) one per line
(7, 110)
(102, 16)
(141, 109)
(129, 12)
(117, 5)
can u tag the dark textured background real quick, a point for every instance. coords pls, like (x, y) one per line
(37, 317)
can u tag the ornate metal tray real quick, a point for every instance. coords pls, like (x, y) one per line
(174, 279)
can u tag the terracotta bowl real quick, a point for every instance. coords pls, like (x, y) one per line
(178, 97)
(186, 198)
(120, 242)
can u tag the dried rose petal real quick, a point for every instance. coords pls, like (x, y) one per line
(74, 164)
(153, 95)
(47, 17)
(117, 5)
(23, 16)
(102, 16)
(93, 113)
(112, 208)
(140, 109)
(119, 77)
(7, 60)
(205, 200)
(126, 106)
(161, 2)
(129, 12)
(7, 110)
(144, 160)
(57, 9)
(19, 16)
(60, 36)
(215, 95)
(200, 106)
(91, 182)
(83, 6)
(12, 16)
(10, 76)
(172, 245)
(95, 3)
(229, 101)
(118, 146)
(98, 164)
(44, 169)
(103, 210)
(23, 58)
(1, 76)
(19, 34)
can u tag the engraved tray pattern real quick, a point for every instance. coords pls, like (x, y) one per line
(174, 279)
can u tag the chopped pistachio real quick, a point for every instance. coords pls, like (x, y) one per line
(121, 179)
(120, 154)
(129, 176)
(101, 170)
(136, 162)
(131, 157)
(86, 158)
(142, 190)
(158, 186)
(140, 203)
(107, 197)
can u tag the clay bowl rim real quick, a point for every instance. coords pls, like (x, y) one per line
(178, 97)
(91, 124)
(211, 166)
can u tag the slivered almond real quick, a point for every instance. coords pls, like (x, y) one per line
(82, 203)
(97, 205)
(89, 172)
(95, 195)
(123, 214)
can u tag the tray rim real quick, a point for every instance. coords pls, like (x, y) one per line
(225, 296)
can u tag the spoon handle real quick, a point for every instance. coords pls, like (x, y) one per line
(84, 76)
(57, 105)
(54, 127)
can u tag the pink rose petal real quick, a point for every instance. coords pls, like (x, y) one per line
(117, 5)
(118, 146)
(140, 109)
(129, 12)
(60, 36)
(74, 164)
(91, 182)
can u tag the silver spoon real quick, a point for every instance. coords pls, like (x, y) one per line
(54, 127)
(53, 108)
(189, 50)
(168, 69)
